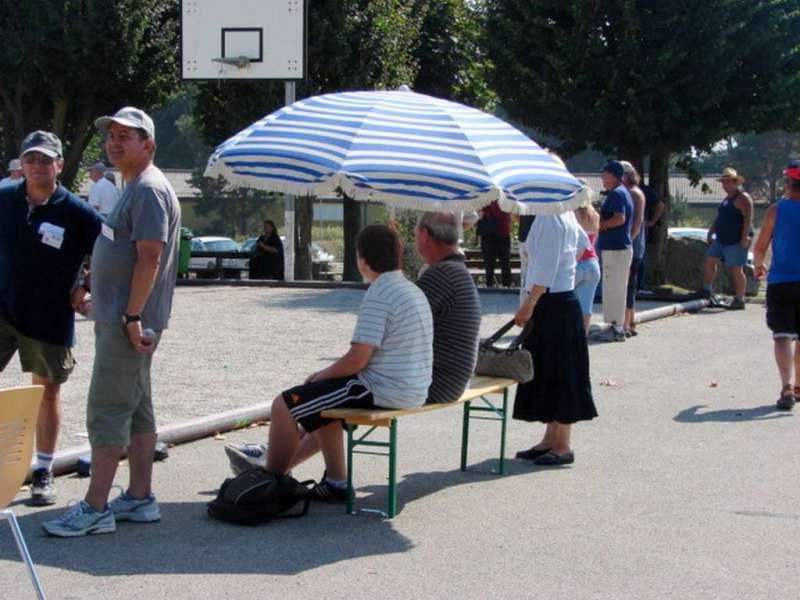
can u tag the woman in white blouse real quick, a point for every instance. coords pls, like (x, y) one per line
(560, 393)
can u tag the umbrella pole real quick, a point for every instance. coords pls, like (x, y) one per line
(288, 251)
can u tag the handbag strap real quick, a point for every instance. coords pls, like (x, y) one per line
(490, 341)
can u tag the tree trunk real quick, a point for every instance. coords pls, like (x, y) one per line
(657, 252)
(351, 221)
(303, 217)
(72, 161)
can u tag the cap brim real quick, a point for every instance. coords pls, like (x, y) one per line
(105, 122)
(45, 151)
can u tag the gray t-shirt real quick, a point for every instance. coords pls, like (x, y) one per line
(147, 210)
(396, 318)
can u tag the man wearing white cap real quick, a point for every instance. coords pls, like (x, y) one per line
(45, 233)
(104, 195)
(134, 268)
(14, 173)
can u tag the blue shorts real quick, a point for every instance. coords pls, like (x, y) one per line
(587, 276)
(733, 255)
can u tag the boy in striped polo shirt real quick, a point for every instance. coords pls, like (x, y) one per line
(389, 365)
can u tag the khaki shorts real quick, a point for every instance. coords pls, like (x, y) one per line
(120, 402)
(51, 361)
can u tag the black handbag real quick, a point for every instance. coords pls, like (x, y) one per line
(512, 362)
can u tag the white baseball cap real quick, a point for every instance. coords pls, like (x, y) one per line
(129, 117)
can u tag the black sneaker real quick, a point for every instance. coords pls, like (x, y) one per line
(326, 492)
(736, 304)
(43, 490)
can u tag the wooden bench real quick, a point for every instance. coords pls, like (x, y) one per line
(480, 388)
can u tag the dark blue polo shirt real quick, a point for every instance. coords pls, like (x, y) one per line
(617, 238)
(38, 271)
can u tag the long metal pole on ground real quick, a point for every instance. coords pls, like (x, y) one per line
(288, 250)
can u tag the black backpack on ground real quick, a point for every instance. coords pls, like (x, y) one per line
(257, 496)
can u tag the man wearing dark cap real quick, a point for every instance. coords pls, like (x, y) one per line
(104, 195)
(780, 230)
(614, 241)
(45, 234)
(134, 268)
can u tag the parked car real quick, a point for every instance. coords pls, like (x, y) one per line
(697, 233)
(206, 266)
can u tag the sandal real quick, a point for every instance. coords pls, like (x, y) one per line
(786, 401)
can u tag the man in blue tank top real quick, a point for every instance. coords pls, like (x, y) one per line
(780, 229)
(729, 237)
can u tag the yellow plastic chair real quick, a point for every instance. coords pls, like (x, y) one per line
(19, 410)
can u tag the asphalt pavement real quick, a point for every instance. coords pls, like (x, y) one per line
(684, 487)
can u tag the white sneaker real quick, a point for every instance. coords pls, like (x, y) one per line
(81, 520)
(246, 456)
(127, 508)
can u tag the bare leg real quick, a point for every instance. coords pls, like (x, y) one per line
(629, 316)
(332, 445)
(49, 422)
(784, 358)
(140, 461)
(739, 281)
(308, 447)
(587, 322)
(797, 363)
(284, 437)
(710, 271)
(563, 433)
(104, 466)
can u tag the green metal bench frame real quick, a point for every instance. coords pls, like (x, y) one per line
(499, 411)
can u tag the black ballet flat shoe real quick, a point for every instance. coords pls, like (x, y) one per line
(532, 453)
(552, 459)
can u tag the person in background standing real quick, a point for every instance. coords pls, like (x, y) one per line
(267, 260)
(614, 243)
(587, 271)
(654, 209)
(781, 224)
(631, 181)
(494, 228)
(729, 237)
(104, 195)
(14, 174)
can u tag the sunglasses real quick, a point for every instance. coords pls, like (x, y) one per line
(41, 159)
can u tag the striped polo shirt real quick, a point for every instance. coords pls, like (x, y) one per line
(456, 310)
(395, 318)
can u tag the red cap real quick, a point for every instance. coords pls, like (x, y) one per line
(792, 170)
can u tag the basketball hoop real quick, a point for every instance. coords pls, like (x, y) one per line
(240, 62)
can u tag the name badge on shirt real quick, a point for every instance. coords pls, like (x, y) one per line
(108, 231)
(52, 235)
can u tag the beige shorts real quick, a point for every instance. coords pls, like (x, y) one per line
(51, 361)
(120, 401)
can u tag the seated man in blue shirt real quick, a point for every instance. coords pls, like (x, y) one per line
(45, 233)
(388, 365)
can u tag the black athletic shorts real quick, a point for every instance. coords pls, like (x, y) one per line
(783, 309)
(307, 401)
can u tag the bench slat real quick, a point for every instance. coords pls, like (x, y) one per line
(479, 385)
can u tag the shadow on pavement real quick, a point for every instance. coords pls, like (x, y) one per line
(418, 485)
(732, 415)
(335, 301)
(187, 541)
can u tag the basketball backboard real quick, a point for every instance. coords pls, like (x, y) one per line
(243, 39)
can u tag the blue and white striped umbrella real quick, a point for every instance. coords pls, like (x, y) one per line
(397, 147)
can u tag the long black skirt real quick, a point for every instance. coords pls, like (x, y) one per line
(560, 390)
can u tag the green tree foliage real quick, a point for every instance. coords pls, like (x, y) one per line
(66, 62)
(639, 78)
(452, 62)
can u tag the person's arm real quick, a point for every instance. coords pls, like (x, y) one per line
(638, 213)
(544, 245)
(144, 277)
(354, 361)
(745, 205)
(763, 242)
(614, 204)
(615, 220)
(525, 311)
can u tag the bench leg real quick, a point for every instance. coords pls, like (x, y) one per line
(392, 469)
(350, 491)
(503, 422)
(465, 436)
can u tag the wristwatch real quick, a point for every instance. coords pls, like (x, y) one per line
(131, 318)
